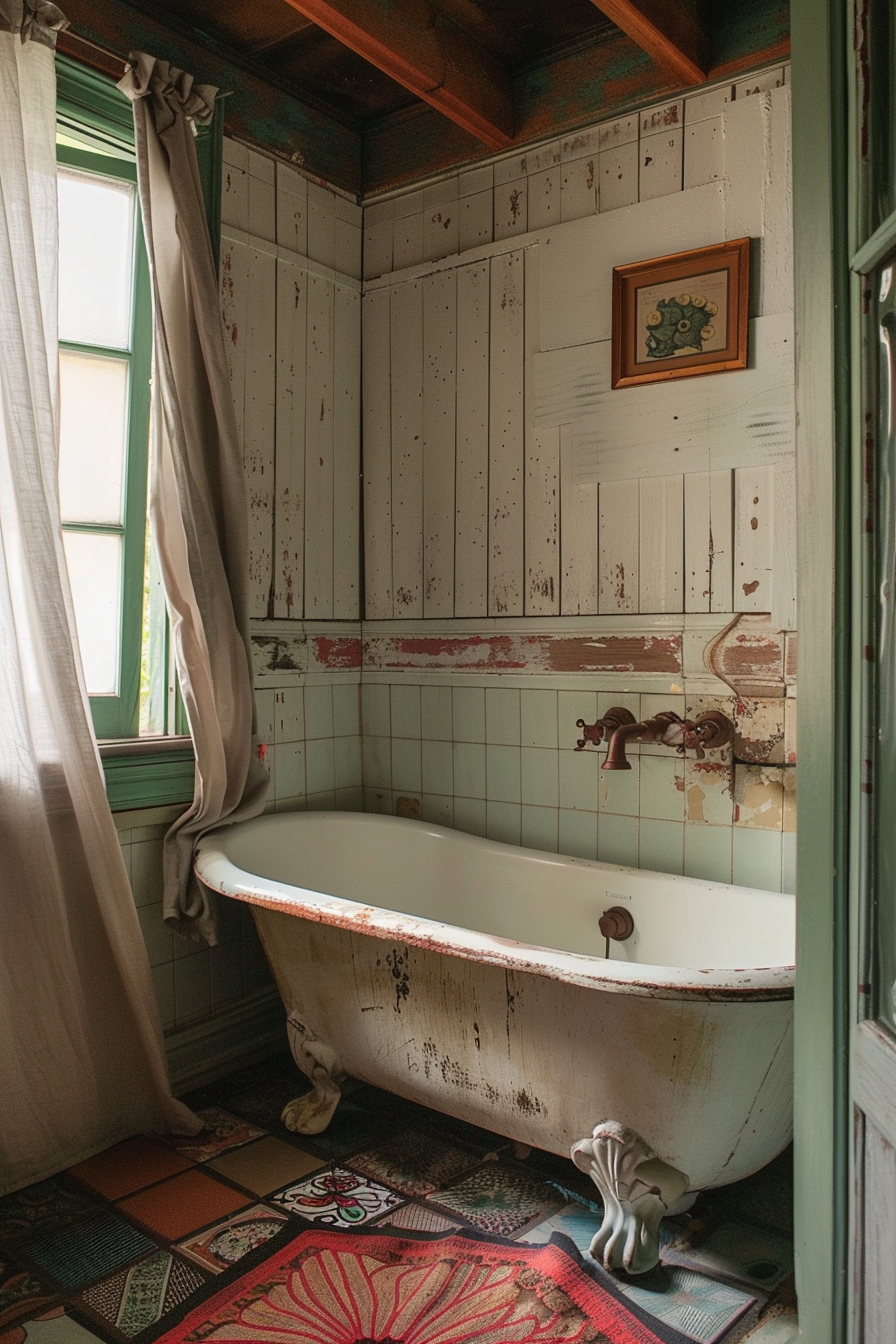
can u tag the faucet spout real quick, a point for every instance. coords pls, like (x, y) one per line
(711, 729)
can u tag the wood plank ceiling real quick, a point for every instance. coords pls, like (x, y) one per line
(415, 86)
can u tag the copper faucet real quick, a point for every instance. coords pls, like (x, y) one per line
(711, 729)
(605, 727)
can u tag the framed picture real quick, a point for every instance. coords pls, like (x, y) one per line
(677, 316)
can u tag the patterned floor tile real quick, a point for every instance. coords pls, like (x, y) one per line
(697, 1306)
(40, 1208)
(76, 1255)
(266, 1165)
(220, 1133)
(500, 1199)
(416, 1218)
(738, 1251)
(136, 1298)
(129, 1166)
(223, 1245)
(183, 1204)
(415, 1163)
(338, 1198)
(53, 1327)
(263, 1102)
(22, 1293)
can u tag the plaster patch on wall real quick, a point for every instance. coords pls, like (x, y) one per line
(708, 792)
(764, 798)
(759, 731)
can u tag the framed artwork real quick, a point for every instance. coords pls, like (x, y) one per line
(677, 316)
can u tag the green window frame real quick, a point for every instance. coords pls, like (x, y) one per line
(95, 130)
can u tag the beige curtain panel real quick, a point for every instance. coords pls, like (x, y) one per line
(81, 1060)
(197, 493)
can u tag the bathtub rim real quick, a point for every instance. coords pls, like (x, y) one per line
(216, 871)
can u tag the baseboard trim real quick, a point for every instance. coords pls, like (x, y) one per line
(241, 1033)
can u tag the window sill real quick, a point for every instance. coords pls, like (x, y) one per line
(147, 771)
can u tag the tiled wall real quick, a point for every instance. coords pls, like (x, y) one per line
(500, 761)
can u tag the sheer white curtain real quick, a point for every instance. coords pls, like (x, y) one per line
(81, 1061)
(197, 489)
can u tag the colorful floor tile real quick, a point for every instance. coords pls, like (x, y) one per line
(40, 1208)
(221, 1246)
(266, 1165)
(22, 1291)
(138, 1297)
(414, 1163)
(53, 1327)
(418, 1218)
(178, 1206)
(692, 1303)
(338, 1198)
(73, 1256)
(499, 1199)
(129, 1166)
(220, 1133)
(737, 1251)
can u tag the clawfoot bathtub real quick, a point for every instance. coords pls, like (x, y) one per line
(473, 977)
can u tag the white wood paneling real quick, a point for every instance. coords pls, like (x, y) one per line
(784, 552)
(346, 519)
(578, 536)
(292, 209)
(289, 498)
(377, 418)
(662, 164)
(578, 187)
(320, 449)
(439, 436)
(259, 421)
(754, 529)
(708, 541)
(617, 168)
(618, 547)
(542, 502)
(475, 216)
(506, 476)
(407, 449)
(878, 1238)
(471, 483)
(661, 544)
(578, 261)
(544, 199)
(511, 208)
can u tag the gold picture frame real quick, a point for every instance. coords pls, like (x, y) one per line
(681, 315)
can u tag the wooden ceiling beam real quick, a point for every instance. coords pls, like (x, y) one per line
(668, 30)
(408, 42)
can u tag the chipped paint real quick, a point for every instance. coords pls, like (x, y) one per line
(336, 654)
(542, 653)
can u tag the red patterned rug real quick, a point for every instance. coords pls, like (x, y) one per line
(361, 1287)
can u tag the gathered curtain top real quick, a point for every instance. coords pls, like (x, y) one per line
(173, 91)
(33, 20)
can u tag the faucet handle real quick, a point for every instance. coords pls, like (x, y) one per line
(711, 729)
(605, 727)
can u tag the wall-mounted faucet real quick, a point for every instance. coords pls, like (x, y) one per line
(605, 727)
(711, 729)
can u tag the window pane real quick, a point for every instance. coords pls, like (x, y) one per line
(94, 571)
(96, 226)
(93, 398)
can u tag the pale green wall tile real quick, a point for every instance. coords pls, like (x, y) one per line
(469, 815)
(662, 787)
(146, 871)
(289, 768)
(289, 714)
(157, 936)
(469, 770)
(406, 765)
(347, 762)
(707, 852)
(192, 986)
(264, 714)
(468, 707)
(350, 799)
(578, 780)
(346, 710)
(226, 970)
(378, 801)
(437, 808)
(573, 705)
(406, 711)
(538, 718)
(577, 834)
(503, 822)
(438, 768)
(618, 790)
(630, 700)
(435, 712)
(502, 717)
(502, 774)
(539, 828)
(320, 766)
(318, 711)
(788, 862)
(376, 714)
(322, 801)
(661, 846)
(617, 840)
(539, 777)
(163, 987)
(757, 859)
(376, 753)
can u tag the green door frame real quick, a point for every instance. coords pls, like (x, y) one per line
(822, 193)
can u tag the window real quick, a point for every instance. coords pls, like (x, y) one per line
(105, 330)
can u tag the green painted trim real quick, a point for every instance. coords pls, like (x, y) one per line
(150, 779)
(877, 248)
(821, 1110)
(85, 99)
(210, 153)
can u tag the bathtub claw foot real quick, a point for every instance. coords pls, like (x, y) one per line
(637, 1189)
(311, 1113)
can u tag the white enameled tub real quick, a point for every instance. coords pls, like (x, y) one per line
(471, 976)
